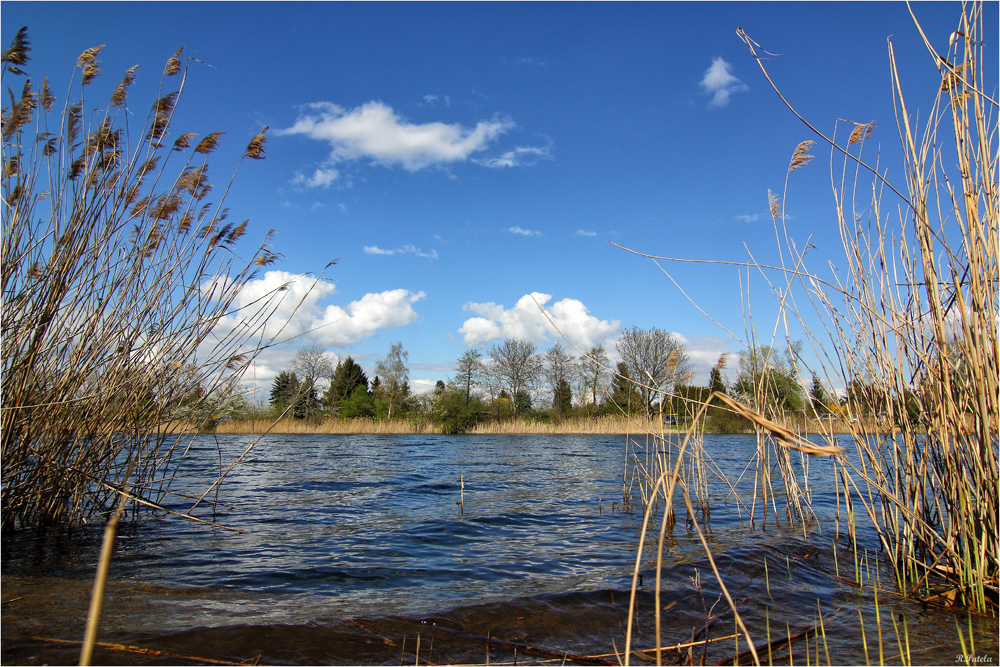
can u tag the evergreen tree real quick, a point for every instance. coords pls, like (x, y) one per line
(623, 391)
(306, 401)
(562, 398)
(522, 402)
(284, 390)
(817, 396)
(346, 378)
(359, 404)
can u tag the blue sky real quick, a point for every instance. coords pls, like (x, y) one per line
(457, 158)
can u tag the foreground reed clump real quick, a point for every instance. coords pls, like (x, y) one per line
(907, 328)
(116, 267)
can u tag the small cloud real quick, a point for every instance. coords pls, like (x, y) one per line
(748, 218)
(286, 204)
(432, 100)
(584, 232)
(720, 83)
(406, 249)
(375, 132)
(343, 209)
(520, 156)
(321, 178)
(524, 232)
(317, 206)
(531, 61)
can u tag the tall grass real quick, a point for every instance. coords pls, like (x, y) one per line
(116, 264)
(909, 328)
(612, 425)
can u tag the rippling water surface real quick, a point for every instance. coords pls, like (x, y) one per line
(354, 545)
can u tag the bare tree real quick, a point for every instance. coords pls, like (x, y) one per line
(559, 369)
(656, 362)
(312, 362)
(593, 372)
(515, 367)
(394, 374)
(468, 371)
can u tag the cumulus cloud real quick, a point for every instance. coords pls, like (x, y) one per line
(720, 83)
(406, 249)
(524, 232)
(526, 320)
(374, 131)
(296, 310)
(583, 232)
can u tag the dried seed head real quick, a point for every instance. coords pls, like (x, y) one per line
(121, 92)
(173, 64)
(184, 141)
(17, 54)
(801, 157)
(772, 200)
(255, 149)
(90, 64)
(953, 78)
(960, 99)
(45, 97)
(209, 143)
(861, 132)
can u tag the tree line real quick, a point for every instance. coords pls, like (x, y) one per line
(515, 379)
(509, 380)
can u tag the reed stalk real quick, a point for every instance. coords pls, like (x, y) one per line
(117, 264)
(907, 327)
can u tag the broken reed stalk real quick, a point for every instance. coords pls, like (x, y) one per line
(119, 282)
(100, 579)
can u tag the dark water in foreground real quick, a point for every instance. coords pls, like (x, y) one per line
(356, 545)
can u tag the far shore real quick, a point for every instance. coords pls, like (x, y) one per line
(610, 425)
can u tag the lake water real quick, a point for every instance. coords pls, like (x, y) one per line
(355, 545)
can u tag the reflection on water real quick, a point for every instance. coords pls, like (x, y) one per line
(355, 542)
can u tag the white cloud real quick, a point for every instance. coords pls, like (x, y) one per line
(583, 232)
(374, 131)
(519, 157)
(526, 320)
(434, 99)
(423, 386)
(296, 310)
(321, 178)
(704, 351)
(749, 218)
(375, 250)
(720, 83)
(524, 232)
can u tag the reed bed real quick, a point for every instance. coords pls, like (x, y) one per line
(610, 425)
(908, 328)
(116, 265)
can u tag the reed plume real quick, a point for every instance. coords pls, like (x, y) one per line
(115, 270)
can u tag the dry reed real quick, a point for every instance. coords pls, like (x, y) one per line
(610, 425)
(115, 268)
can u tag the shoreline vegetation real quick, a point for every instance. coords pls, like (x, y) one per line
(606, 425)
